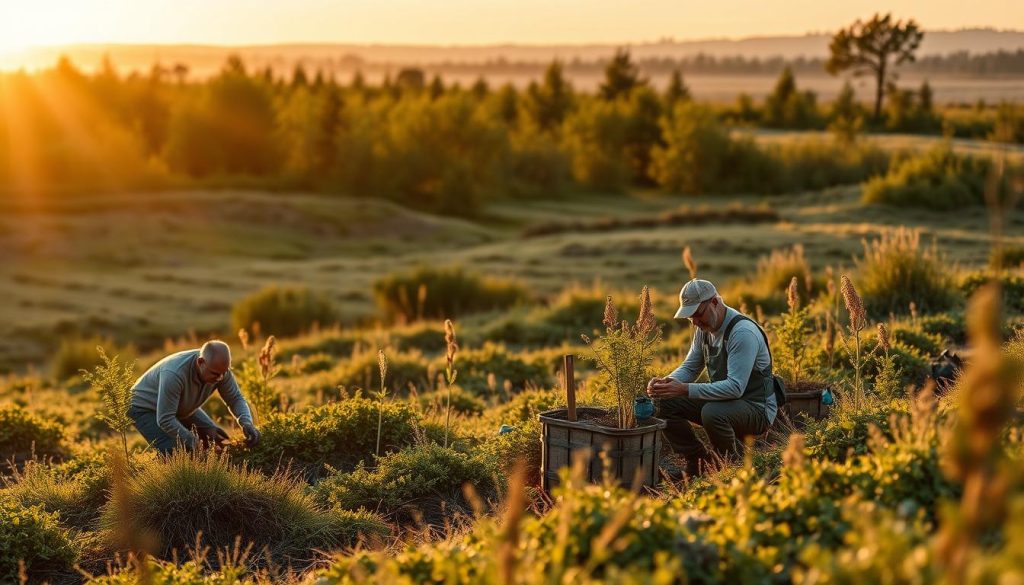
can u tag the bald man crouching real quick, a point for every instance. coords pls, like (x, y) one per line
(167, 400)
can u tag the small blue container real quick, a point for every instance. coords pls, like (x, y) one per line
(505, 429)
(826, 397)
(643, 408)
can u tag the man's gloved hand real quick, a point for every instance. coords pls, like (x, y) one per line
(211, 436)
(252, 435)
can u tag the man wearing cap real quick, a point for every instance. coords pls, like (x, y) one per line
(739, 399)
(167, 400)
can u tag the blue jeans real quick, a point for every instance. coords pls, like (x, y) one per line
(199, 423)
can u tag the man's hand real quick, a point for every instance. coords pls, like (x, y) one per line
(660, 388)
(252, 435)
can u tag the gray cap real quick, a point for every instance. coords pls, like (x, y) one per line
(692, 295)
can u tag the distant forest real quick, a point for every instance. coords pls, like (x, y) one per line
(1009, 63)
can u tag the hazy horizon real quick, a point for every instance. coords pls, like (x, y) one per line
(48, 23)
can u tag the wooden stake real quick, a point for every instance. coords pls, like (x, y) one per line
(570, 386)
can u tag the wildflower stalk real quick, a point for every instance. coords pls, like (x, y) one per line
(451, 348)
(858, 321)
(382, 363)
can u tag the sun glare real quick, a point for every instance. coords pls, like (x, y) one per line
(32, 23)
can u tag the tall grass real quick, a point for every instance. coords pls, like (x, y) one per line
(896, 271)
(185, 494)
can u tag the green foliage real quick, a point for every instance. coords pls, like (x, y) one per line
(75, 354)
(462, 401)
(846, 432)
(283, 310)
(621, 77)
(74, 490)
(113, 380)
(935, 179)
(847, 116)
(425, 479)
(477, 367)
(177, 497)
(519, 447)
(896, 271)
(790, 352)
(595, 137)
(624, 355)
(406, 371)
(24, 434)
(187, 573)
(874, 47)
(1011, 283)
(787, 107)
(888, 383)
(766, 288)
(36, 538)
(436, 293)
(339, 434)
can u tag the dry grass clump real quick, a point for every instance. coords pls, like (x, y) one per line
(185, 495)
(773, 275)
(283, 310)
(896, 271)
(440, 293)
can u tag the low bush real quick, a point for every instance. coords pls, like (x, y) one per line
(1012, 285)
(34, 537)
(927, 344)
(462, 401)
(205, 492)
(339, 434)
(75, 354)
(579, 309)
(24, 434)
(422, 481)
(489, 370)
(283, 310)
(896, 271)
(767, 287)
(846, 432)
(443, 293)
(405, 370)
(75, 490)
(937, 179)
(519, 447)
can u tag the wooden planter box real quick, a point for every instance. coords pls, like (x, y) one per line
(805, 404)
(629, 455)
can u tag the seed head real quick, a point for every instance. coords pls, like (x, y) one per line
(266, 358)
(645, 320)
(792, 295)
(382, 363)
(883, 338)
(858, 316)
(452, 347)
(688, 260)
(611, 314)
(243, 336)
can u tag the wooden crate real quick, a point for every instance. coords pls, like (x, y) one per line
(805, 404)
(629, 456)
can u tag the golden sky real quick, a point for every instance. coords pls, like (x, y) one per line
(25, 23)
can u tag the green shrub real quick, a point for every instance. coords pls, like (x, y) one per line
(177, 497)
(926, 344)
(462, 401)
(339, 434)
(24, 434)
(1007, 257)
(1012, 287)
(846, 432)
(476, 365)
(283, 310)
(767, 287)
(804, 165)
(579, 309)
(74, 490)
(187, 573)
(937, 179)
(361, 371)
(75, 354)
(422, 480)
(520, 446)
(896, 271)
(442, 293)
(949, 325)
(35, 537)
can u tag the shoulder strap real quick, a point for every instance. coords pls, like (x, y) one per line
(742, 317)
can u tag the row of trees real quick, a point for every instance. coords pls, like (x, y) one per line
(432, 146)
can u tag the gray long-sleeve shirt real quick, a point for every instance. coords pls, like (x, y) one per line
(173, 390)
(746, 350)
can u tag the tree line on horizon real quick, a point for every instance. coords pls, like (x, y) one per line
(438, 146)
